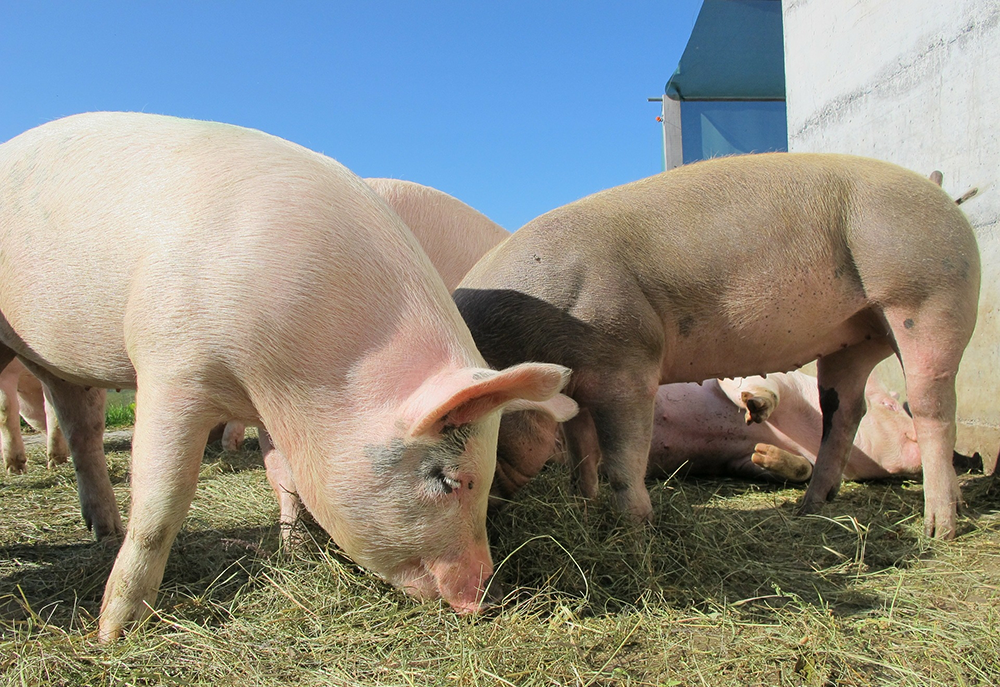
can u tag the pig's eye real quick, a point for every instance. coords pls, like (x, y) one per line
(446, 483)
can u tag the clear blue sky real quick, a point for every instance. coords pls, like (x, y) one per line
(514, 107)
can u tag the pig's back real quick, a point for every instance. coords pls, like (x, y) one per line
(453, 234)
(732, 254)
(117, 228)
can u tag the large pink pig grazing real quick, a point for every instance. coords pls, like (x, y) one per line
(116, 232)
(22, 395)
(733, 267)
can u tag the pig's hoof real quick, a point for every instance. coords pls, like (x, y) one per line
(108, 529)
(759, 406)
(635, 504)
(56, 459)
(940, 525)
(784, 464)
(17, 468)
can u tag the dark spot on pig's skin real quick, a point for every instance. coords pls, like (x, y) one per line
(481, 375)
(829, 401)
(685, 325)
(908, 323)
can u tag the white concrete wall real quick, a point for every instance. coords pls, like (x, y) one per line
(915, 82)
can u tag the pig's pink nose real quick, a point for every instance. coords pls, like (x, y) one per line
(462, 582)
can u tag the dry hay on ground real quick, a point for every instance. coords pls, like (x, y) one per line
(728, 587)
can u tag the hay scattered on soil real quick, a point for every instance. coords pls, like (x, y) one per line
(728, 587)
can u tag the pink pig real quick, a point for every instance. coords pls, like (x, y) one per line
(334, 331)
(22, 395)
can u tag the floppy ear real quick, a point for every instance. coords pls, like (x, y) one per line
(458, 397)
(560, 407)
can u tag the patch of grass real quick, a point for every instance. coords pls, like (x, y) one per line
(728, 587)
(119, 411)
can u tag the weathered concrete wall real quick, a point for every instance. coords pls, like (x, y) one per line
(915, 82)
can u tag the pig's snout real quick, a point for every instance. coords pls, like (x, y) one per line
(462, 582)
(459, 581)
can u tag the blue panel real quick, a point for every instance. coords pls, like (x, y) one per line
(735, 52)
(714, 128)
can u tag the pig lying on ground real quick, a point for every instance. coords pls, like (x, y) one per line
(22, 395)
(758, 428)
(453, 235)
(333, 330)
(732, 267)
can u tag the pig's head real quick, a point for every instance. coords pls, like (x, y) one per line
(886, 433)
(416, 514)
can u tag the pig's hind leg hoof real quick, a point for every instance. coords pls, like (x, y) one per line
(783, 464)
(759, 405)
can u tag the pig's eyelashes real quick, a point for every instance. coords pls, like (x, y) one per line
(443, 481)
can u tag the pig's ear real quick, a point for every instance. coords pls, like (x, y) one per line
(560, 407)
(458, 397)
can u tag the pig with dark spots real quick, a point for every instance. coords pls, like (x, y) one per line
(333, 330)
(733, 267)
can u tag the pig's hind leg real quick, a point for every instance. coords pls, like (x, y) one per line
(841, 378)
(171, 430)
(931, 341)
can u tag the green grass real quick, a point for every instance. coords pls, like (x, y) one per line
(119, 412)
(727, 588)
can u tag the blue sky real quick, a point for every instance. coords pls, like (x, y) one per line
(514, 107)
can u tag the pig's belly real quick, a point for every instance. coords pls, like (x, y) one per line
(721, 349)
(88, 350)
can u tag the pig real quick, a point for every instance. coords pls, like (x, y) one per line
(334, 331)
(770, 428)
(760, 428)
(733, 267)
(453, 235)
(22, 395)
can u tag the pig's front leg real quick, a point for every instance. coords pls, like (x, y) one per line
(623, 419)
(57, 449)
(232, 436)
(841, 380)
(758, 396)
(171, 430)
(279, 475)
(10, 421)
